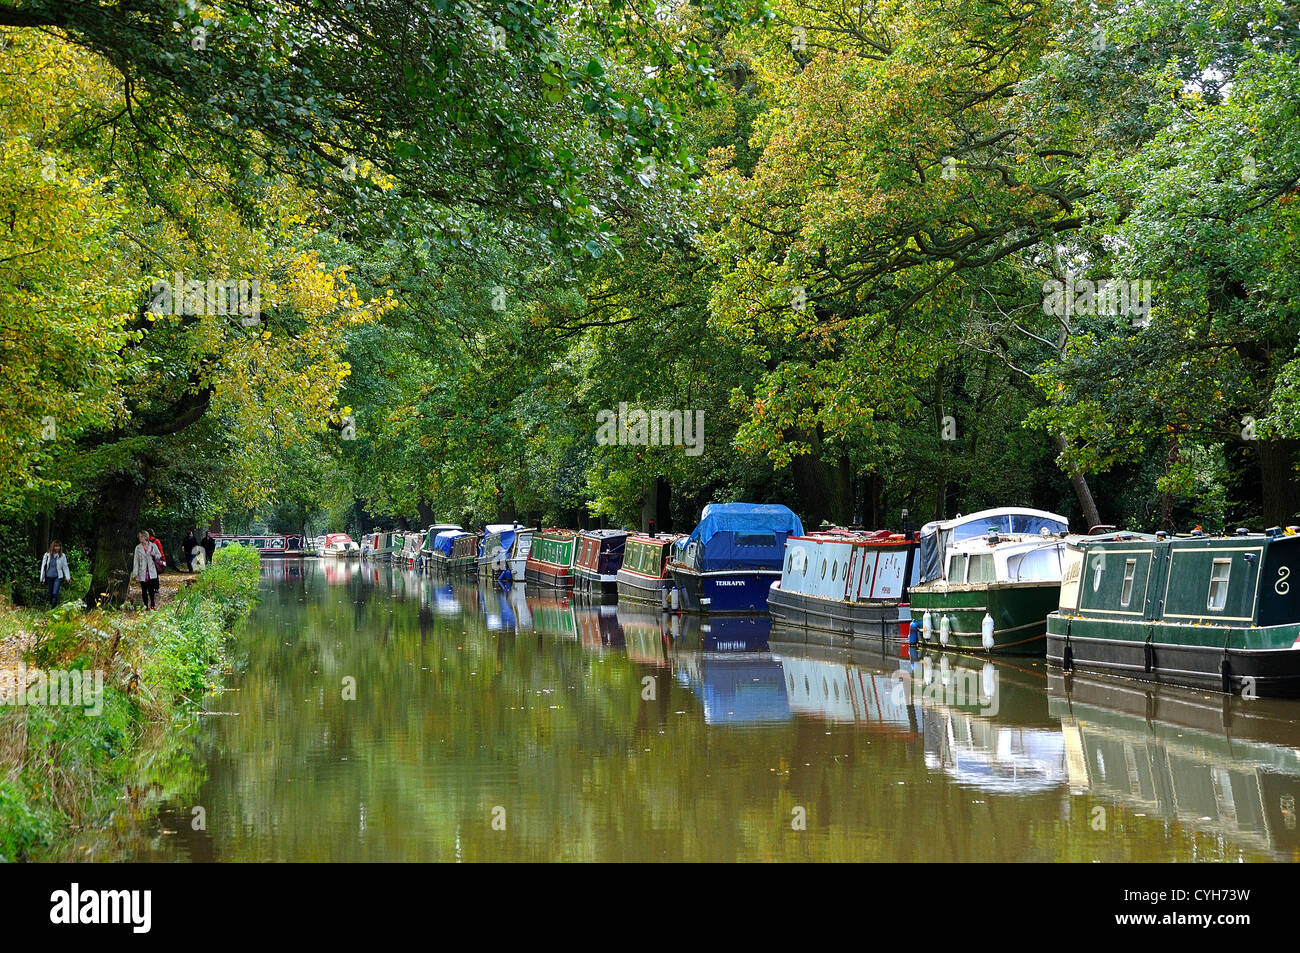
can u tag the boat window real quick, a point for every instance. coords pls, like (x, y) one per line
(1219, 573)
(755, 539)
(835, 568)
(1036, 565)
(1126, 591)
(957, 568)
(981, 568)
(823, 568)
(789, 561)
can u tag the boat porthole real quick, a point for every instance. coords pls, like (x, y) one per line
(823, 569)
(835, 568)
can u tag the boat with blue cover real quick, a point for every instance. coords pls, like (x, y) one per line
(730, 560)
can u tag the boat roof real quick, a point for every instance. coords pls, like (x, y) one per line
(986, 515)
(330, 536)
(603, 533)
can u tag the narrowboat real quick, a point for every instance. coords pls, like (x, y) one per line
(380, 545)
(427, 537)
(454, 551)
(987, 581)
(340, 546)
(268, 547)
(644, 575)
(846, 582)
(732, 557)
(598, 559)
(1209, 612)
(518, 561)
(408, 554)
(497, 548)
(550, 558)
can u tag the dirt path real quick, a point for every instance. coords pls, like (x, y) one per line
(13, 647)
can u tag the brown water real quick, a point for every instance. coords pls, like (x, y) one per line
(484, 725)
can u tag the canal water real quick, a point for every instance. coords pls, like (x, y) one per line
(378, 715)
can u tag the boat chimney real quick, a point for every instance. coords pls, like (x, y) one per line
(907, 526)
(652, 529)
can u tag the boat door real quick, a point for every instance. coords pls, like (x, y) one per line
(1160, 558)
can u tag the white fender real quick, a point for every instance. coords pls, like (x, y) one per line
(987, 629)
(944, 628)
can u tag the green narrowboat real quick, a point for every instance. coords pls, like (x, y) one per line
(644, 576)
(989, 580)
(550, 559)
(1209, 612)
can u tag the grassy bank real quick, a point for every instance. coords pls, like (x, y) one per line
(65, 770)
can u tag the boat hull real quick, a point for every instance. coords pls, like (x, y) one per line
(877, 620)
(734, 590)
(1019, 612)
(545, 574)
(585, 580)
(1260, 660)
(635, 587)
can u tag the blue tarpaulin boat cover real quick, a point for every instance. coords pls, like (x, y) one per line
(507, 531)
(739, 536)
(445, 541)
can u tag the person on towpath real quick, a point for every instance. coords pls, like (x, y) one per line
(54, 571)
(145, 564)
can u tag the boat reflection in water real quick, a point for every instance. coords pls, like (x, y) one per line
(1223, 765)
(984, 724)
(647, 637)
(282, 570)
(598, 626)
(725, 661)
(552, 612)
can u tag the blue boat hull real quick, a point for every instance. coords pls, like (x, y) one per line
(732, 590)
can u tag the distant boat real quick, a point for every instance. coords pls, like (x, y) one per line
(379, 545)
(598, 560)
(1208, 612)
(427, 538)
(988, 580)
(644, 575)
(550, 558)
(497, 548)
(732, 557)
(408, 554)
(453, 550)
(850, 582)
(268, 547)
(340, 545)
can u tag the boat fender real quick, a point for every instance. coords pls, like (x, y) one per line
(1225, 670)
(927, 626)
(1148, 654)
(505, 579)
(986, 630)
(1067, 654)
(944, 628)
(674, 599)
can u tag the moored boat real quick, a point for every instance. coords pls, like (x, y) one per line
(644, 575)
(847, 582)
(379, 545)
(425, 560)
(340, 546)
(732, 557)
(989, 580)
(550, 558)
(268, 547)
(598, 559)
(497, 547)
(454, 551)
(1209, 612)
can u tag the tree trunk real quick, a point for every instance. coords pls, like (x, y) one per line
(1087, 504)
(118, 516)
(1280, 489)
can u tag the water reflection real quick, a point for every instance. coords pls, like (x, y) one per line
(616, 732)
(1226, 765)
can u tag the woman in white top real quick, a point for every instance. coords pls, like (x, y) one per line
(144, 569)
(54, 570)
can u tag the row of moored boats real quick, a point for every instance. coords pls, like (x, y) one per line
(1218, 612)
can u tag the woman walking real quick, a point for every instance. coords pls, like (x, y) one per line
(187, 549)
(54, 570)
(145, 564)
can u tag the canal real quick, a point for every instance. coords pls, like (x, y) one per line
(377, 715)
